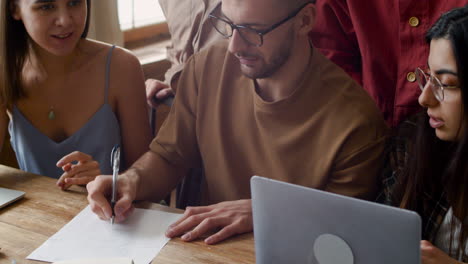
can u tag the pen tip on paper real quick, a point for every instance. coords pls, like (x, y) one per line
(112, 220)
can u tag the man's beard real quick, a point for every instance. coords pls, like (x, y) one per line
(277, 61)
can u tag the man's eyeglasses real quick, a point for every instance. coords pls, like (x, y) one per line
(425, 78)
(252, 36)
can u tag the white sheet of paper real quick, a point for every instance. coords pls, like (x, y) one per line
(140, 237)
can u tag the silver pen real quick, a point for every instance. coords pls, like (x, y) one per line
(115, 164)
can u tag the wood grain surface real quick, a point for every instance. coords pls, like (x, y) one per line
(45, 209)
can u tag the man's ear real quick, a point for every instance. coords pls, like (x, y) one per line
(14, 9)
(307, 19)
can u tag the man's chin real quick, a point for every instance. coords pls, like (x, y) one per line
(248, 75)
(249, 72)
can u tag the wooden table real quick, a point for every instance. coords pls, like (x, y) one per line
(45, 209)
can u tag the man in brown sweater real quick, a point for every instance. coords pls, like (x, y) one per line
(263, 102)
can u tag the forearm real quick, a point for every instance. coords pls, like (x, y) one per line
(154, 176)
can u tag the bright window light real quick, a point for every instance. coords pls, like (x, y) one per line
(139, 13)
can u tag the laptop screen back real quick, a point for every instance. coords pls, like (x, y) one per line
(295, 224)
(8, 196)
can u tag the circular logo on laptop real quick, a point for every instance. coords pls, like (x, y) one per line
(331, 249)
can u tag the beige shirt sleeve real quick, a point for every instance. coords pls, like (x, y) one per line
(358, 163)
(190, 30)
(177, 141)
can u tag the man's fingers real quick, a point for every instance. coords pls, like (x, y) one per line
(192, 217)
(97, 190)
(125, 215)
(164, 93)
(189, 211)
(156, 90)
(184, 226)
(207, 225)
(223, 234)
(101, 207)
(160, 97)
(151, 103)
(121, 216)
(233, 217)
(153, 86)
(123, 208)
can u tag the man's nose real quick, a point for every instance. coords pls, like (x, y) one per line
(237, 43)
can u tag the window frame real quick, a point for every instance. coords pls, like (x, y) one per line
(153, 31)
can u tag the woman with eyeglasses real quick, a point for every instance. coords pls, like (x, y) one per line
(433, 180)
(67, 100)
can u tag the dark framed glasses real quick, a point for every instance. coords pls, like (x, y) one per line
(250, 35)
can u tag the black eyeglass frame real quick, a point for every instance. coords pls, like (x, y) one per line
(260, 33)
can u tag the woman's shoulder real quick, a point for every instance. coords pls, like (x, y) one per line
(124, 65)
(120, 56)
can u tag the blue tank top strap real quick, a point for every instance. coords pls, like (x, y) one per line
(108, 64)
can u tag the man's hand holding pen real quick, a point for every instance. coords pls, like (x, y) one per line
(100, 192)
(120, 190)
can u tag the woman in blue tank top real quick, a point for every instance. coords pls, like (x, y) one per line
(67, 100)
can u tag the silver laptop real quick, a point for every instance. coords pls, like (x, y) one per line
(295, 224)
(8, 196)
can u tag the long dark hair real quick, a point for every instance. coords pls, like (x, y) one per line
(14, 48)
(436, 168)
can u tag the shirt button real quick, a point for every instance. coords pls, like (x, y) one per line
(411, 76)
(414, 21)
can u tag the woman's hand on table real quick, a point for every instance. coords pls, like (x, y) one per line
(430, 254)
(78, 168)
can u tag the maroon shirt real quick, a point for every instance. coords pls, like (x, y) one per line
(380, 43)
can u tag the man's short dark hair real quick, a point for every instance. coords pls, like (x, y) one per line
(293, 4)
